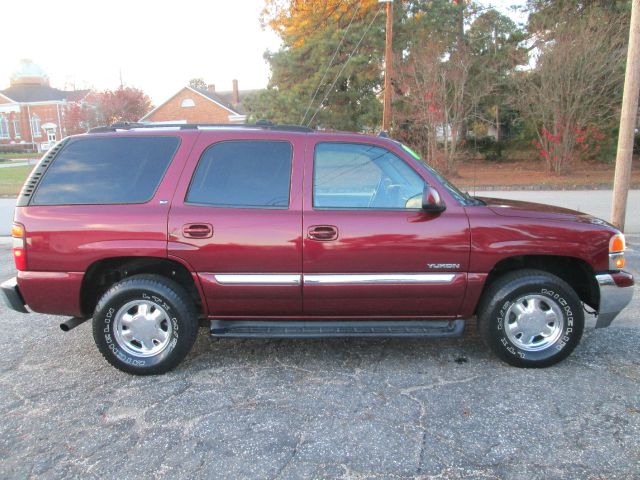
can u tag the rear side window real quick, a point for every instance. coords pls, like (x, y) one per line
(99, 171)
(243, 173)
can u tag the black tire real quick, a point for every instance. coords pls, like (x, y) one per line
(178, 320)
(498, 311)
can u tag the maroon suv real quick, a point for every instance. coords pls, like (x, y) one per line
(269, 231)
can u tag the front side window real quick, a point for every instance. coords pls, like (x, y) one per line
(100, 171)
(243, 174)
(4, 127)
(361, 176)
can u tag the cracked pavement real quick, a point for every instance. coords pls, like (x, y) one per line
(335, 408)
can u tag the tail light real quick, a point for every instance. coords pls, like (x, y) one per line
(19, 246)
(616, 252)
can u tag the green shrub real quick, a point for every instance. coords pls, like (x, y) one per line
(490, 149)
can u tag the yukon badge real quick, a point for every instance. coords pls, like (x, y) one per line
(443, 266)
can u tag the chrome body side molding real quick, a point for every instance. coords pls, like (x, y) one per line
(332, 278)
(382, 279)
(257, 279)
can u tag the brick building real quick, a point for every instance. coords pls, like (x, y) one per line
(31, 111)
(195, 105)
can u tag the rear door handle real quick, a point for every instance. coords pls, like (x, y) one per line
(197, 230)
(323, 233)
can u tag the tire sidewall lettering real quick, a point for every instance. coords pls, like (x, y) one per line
(561, 343)
(107, 321)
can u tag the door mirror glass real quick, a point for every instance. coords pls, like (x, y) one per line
(431, 200)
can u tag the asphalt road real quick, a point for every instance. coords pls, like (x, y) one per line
(339, 408)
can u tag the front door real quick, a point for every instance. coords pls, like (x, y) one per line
(369, 249)
(236, 220)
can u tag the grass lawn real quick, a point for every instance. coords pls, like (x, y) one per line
(12, 178)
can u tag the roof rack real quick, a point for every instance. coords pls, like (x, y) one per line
(263, 124)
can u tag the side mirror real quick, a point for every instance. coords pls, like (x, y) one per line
(431, 200)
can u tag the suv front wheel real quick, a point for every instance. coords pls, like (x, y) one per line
(145, 324)
(531, 318)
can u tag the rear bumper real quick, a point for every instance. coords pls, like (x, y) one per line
(616, 290)
(12, 296)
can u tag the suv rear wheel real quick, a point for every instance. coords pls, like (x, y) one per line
(531, 318)
(145, 324)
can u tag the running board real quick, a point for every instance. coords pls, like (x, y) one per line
(336, 328)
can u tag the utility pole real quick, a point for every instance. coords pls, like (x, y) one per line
(388, 67)
(627, 121)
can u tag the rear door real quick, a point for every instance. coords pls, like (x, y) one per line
(236, 220)
(369, 249)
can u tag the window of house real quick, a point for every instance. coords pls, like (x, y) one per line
(101, 171)
(16, 127)
(51, 135)
(35, 126)
(4, 127)
(188, 102)
(350, 175)
(243, 174)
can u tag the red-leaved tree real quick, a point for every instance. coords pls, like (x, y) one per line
(575, 85)
(125, 104)
(81, 116)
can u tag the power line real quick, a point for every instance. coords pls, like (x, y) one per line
(344, 66)
(344, 35)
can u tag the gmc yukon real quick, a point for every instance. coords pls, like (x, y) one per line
(275, 231)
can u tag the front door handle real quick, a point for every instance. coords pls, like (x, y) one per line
(323, 233)
(197, 230)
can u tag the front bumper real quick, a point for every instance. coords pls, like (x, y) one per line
(616, 290)
(12, 296)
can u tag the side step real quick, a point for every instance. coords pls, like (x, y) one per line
(335, 328)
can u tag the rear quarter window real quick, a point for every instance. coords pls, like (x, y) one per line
(99, 171)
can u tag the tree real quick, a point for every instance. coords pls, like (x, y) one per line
(576, 84)
(198, 83)
(449, 76)
(496, 45)
(546, 17)
(80, 117)
(126, 104)
(306, 87)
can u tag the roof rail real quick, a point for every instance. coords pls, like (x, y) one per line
(263, 124)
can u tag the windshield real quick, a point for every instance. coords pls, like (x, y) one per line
(462, 197)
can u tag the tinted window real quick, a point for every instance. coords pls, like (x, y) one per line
(243, 174)
(106, 171)
(348, 175)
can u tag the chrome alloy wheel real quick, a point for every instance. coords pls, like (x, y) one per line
(534, 323)
(142, 328)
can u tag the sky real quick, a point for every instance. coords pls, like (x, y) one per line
(157, 46)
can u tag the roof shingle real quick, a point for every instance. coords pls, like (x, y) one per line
(27, 93)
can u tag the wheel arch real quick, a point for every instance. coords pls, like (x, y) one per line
(103, 273)
(575, 271)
